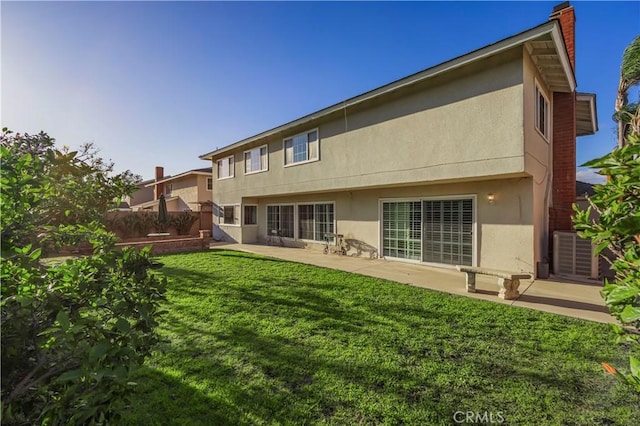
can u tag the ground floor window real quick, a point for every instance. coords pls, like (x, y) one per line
(315, 220)
(250, 215)
(304, 221)
(280, 219)
(437, 231)
(229, 215)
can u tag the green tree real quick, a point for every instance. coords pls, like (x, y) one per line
(616, 207)
(62, 187)
(73, 332)
(629, 77)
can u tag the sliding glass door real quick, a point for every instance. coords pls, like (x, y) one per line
(448, 231)
(434, 231)
(401, 229)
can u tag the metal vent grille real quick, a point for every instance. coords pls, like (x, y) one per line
(573, 256)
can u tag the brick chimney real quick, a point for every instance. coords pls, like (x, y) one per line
(564, 14)
(563, 190)
(159, 189)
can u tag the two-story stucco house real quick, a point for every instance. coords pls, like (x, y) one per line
(469, 162)
(190, 190)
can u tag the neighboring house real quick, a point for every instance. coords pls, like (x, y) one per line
(583, 189)
(468, 162)
(186, 191)
(141, 195)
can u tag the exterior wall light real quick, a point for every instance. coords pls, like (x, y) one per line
(491, 198)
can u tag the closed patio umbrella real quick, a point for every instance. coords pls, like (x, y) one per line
(163, 215)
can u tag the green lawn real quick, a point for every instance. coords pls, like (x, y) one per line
(255, 340)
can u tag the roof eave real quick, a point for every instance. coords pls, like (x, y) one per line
(586, 114)
(176, 177)
(558, 41)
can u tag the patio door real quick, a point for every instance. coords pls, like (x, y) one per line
(447, 231)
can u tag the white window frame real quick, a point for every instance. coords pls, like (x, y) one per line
(231, 165)
(236, 215)
(297, 219)
(259, 151)
(209, 184)
(474, 201)
(309, 159)
(168, 189)
(244, 216)
(546, 132)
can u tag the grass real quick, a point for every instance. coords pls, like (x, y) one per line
(255, 340)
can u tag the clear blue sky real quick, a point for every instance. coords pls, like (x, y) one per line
(160, 83)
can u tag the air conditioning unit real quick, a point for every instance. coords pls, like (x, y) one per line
(573, 256)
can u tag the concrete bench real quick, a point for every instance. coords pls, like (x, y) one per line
(508, 282)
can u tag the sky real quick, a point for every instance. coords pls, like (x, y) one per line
(160, 83)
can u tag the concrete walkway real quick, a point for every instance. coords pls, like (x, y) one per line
(574, 299)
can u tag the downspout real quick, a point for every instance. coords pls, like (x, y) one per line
(547, 206)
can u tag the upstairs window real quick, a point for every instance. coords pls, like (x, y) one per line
(301, 148)
(256, 160)
(209, 184)
(542, 113)
(225, 168)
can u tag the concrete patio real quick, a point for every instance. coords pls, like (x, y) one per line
(573, 299)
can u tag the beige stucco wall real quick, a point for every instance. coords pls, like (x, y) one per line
(462, 133)
(504, 230)
(141, 195)
(465, 125)
(191, 189)
(203, 193)
(538, 155)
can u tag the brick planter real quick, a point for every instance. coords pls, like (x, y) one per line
(171, 244)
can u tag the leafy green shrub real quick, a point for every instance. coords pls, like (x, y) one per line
(161, 226)
(136, 224)
(617, 204)
(72, 332)
(183, 222)
(145, 221)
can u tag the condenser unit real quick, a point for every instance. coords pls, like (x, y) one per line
(573, 256)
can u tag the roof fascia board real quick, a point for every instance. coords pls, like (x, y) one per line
(590, 98)
(153, 202)
(181, 175)
(550, 27)
(558, 42)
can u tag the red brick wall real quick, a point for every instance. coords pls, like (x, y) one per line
(171, 246)
(159, 188)
(159, 245)
(564, 160)
(563, 190)
(567, 19)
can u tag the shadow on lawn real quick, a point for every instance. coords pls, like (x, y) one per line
(284, 350)
(162, 399)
